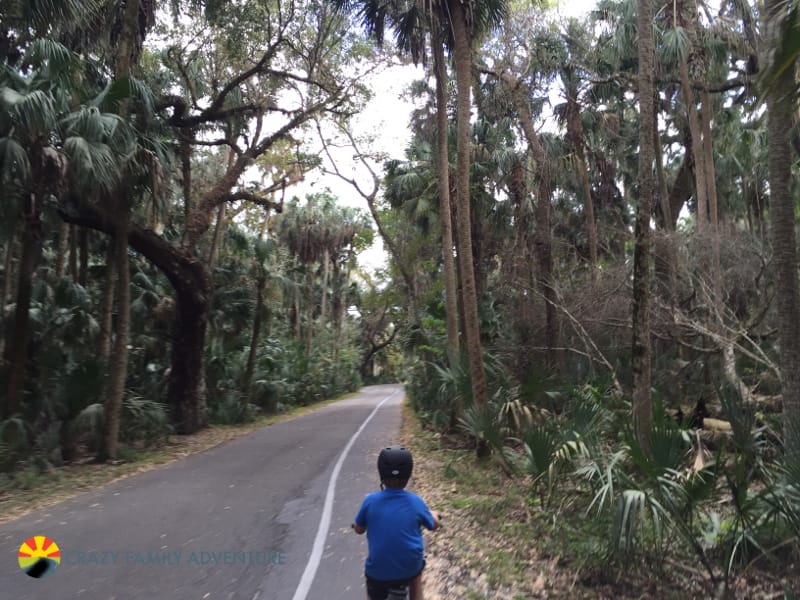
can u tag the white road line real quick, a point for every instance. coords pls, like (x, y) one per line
(325, 521)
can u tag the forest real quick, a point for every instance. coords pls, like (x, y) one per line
(591, 276)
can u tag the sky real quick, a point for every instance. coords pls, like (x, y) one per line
(386, 118)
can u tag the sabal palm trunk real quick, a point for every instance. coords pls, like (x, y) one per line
(119, 361)
(463, 64)
(641, 348)
(309, 333)
(73, 253)
(119, 356)
(543, 240)
(83, 246)
(575, 132)
(8, 261)
(261, 284)
(63, 248)
(323, 304)
(696, 148)
(664, 249)
(16, 351)
(107, 304)
(443, 168)
(784, 242)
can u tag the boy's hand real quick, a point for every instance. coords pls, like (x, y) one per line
(358, 529)
(436, 519)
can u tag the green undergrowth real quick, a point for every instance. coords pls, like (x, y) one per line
(499, 532)
(498, 529)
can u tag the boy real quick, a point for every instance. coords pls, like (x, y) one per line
(392, 519)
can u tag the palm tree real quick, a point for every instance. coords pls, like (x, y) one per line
(140, 165)
(30, 108)
(780, 110)
(48, 148)
(443, 187)
(463, 21)
(66, 21)
(262, 250)
(640, 351)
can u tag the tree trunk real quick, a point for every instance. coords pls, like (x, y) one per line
(216, 242)
(83, 269)
(575, 133)
(118, 374)
(463, 61)
(8, 273)
(323, 305)
(640, 350)
(261, 284)
(17, 350)
(544, 253)
(73, 253)
(119, 359)
(309, 333)
(296, 318)
(700, 177)
(543, 239)
(784, 243)
(664, 248)
(693, 68)
(107, 304)
(708, 158)
(337, 298)
(187, 384)
(443, 169)
(219, 229)
(64, 236)
(186, 175)
(520, 257)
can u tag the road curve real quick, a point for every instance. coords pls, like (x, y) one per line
(237, 521)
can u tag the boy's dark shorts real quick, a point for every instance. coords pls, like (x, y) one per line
(379, 590)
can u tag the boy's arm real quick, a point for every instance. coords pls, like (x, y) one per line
(360, 523)
(429, 518)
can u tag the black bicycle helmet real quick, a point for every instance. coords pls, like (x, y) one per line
(395, 462)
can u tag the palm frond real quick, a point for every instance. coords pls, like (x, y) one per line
(91, 164)
(48, 53)
(786, 44)
(33, 114)
(675, 46)
(67, 12)
(14, 164)
(125, 88)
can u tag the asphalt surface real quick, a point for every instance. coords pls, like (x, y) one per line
(236, 521)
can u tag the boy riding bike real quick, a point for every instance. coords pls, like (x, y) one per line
(392, 519)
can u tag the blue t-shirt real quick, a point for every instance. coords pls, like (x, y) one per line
(393, 519)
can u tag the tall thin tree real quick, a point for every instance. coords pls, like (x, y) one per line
(640, 349)
(780, 107)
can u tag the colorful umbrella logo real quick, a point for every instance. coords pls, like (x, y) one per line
(39, 556)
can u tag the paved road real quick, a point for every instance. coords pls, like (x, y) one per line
(237, 521)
